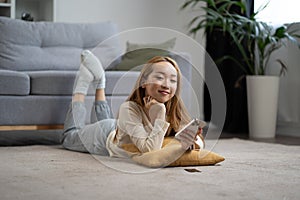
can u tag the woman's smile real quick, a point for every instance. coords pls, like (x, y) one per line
(164, 92)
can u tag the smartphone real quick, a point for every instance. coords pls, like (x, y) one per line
(193, 125)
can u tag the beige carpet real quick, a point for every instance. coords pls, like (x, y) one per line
(252, 170)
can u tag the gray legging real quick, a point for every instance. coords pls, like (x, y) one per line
(92, 137)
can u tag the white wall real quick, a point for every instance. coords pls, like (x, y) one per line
(127, 13)
(131, 14)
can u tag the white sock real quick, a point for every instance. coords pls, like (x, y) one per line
(92, 63)
(83, 79)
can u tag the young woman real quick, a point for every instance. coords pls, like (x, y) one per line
(153, 110)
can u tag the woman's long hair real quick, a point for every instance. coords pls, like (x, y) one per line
(176, 112)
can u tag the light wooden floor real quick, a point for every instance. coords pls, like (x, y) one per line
(30, 127)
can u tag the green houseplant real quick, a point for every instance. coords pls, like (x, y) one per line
(251, 36)
(256, 41)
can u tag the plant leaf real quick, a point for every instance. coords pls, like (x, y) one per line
(283, 67)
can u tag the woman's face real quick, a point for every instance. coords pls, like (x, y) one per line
(161, 84)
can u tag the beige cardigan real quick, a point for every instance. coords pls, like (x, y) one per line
(134, 126)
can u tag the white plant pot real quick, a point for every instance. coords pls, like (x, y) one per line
(262, 97)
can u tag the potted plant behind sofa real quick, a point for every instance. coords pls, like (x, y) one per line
(256, 42)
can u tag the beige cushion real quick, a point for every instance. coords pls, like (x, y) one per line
(189, 158)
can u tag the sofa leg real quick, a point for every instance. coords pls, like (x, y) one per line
(30, 127)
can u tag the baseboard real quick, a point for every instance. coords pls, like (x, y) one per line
(30, 127)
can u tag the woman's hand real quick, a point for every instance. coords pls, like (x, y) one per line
(190, 139)
(187, 138)
(199, 143)
(156, 110)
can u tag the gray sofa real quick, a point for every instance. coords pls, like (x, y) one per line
(39, 62)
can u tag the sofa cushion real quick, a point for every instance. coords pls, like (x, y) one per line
(52, 82)
(29, 46)
(14, 83)
(62, 82)
(138, 54)
(166, 45)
